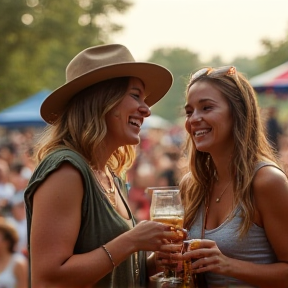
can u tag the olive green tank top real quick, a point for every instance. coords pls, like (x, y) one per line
(100, 222)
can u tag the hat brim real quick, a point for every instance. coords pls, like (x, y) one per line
(156, 78)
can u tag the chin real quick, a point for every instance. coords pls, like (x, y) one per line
(202, 149)
(136, 142)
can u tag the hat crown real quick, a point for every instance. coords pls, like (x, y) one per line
(97, 58)
(100, 63)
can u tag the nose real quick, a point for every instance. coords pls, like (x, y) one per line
(144, 109)
(195, 119)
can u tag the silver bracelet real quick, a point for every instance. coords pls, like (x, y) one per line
(109, 255)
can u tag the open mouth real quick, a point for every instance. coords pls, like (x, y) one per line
(202, 132)
(135, 122)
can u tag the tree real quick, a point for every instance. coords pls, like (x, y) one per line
(40, 37)
(275, 53)
(181, 62)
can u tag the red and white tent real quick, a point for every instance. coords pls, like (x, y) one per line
(272, 81)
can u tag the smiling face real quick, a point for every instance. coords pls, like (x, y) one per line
(208, 119)
(125, 119)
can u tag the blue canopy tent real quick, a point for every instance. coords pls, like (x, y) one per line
(26, 113)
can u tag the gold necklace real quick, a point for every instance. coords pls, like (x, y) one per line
(111, 189)
(110, 192)
(219, 198)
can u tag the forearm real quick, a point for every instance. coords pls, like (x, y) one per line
(82, 270)
(261, 275)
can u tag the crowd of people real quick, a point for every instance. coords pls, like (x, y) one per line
(16, 167)
(92, 142)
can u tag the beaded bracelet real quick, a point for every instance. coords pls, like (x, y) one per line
(109, 255)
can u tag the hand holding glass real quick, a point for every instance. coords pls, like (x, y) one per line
(166, 207)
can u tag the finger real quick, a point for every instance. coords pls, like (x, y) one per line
(172, 247)
(162, 255)
(177, 257)
(205, 243)
(201, 265)
(174, 235)
(194, 254)
(165, 241)
(170, 235)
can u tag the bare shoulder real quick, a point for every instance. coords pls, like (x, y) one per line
(270, 185)
(269, 175)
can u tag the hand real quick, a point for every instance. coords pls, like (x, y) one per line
(207, 257)
(163, 257)
(150, 235)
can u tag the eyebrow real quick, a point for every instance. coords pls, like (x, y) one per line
(201, 101)
(136, 88)
(140, 91)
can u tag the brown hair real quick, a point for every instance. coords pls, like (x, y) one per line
(82, 126)
(250, 147)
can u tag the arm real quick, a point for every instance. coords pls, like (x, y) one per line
(54, 230)
(270, 190)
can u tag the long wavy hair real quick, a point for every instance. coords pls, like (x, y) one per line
(251, 146)
(82, 126)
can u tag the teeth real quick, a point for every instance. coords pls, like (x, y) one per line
(135, 122)
(201, 132)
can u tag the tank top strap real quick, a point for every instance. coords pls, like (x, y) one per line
(262, 164)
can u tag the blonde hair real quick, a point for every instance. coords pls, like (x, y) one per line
(250, 147)
(82, 126)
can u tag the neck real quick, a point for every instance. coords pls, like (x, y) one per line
(223, 169)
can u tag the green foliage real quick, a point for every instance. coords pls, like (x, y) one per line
(34, 55)
(181, 63)
(275, 53)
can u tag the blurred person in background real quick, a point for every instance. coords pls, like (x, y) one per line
(17, 177)
(13, 266)
(273, 128)
(8, 152)
(17, 217)
(7, 189)
(81, 231)
(235, 193)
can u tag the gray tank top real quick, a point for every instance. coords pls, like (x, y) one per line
(253, 247)
(100, 221)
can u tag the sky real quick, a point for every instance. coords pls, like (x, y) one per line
(226, 28)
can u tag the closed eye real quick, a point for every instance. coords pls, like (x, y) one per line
(207, 108)
(135, 95)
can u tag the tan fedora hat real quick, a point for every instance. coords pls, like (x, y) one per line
(99, 63)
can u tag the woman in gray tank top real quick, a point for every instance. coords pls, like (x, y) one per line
(81, 232)
(234, 192)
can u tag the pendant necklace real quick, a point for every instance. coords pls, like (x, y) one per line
(110, 192)
(219, 198)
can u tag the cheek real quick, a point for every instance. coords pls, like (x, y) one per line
(116, 113)
(188, 126)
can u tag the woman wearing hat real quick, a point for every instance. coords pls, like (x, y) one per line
(81, 232)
